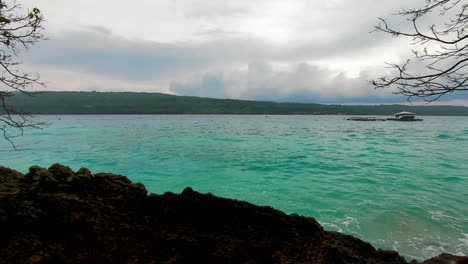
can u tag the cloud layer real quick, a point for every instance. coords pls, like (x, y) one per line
(307, 51)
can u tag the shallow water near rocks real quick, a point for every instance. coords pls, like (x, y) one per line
(398, 185)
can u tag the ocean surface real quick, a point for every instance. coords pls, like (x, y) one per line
(398, 185)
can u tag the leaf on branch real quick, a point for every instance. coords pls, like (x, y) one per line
(18, 30)
(4, 20)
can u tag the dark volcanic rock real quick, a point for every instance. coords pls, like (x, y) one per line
(445, 259)
(58, 216)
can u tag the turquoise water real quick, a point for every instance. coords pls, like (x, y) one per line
(398, 185)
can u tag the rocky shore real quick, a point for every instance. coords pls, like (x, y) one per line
(57, 215)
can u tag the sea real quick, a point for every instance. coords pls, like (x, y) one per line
(397, 185)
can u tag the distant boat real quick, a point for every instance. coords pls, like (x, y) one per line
(405, 116)
(364, 118)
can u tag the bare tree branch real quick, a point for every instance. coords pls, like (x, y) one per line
(442, 49)
(19, 29)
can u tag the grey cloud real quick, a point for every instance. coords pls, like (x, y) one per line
(220, 33)
(212, 66)
(98, 51)
(98, 29)
(303, 83)
(215, 9)
(215, 64)
(115, 56)
(210, 85)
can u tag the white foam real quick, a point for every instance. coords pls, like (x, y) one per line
(439, 215)
(331, 226)
(350, 221)
(463, 246)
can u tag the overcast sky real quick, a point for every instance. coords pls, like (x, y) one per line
(295, 50)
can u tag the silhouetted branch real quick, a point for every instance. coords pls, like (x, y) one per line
(442, 50)
(19, 29)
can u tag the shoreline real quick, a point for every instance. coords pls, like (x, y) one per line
(57, 214)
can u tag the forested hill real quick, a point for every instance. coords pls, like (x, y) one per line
(156, 103)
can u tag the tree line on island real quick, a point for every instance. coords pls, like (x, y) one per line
(157, 103)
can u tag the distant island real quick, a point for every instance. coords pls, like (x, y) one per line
(85, 103)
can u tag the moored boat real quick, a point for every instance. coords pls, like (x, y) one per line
(364, 118)
(405, 116)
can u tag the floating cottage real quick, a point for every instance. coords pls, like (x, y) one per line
(405, 116)
(401, 116)
(365, 118)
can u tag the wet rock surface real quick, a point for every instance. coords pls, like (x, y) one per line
(57, 215)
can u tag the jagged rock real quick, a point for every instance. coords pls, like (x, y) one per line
(444, 259)
(7, 172)
(61, 172)
(38, 173)
(84, 172)
(59, 216)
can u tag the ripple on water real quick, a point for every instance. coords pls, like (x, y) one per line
(396, 185)
(445, 136)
